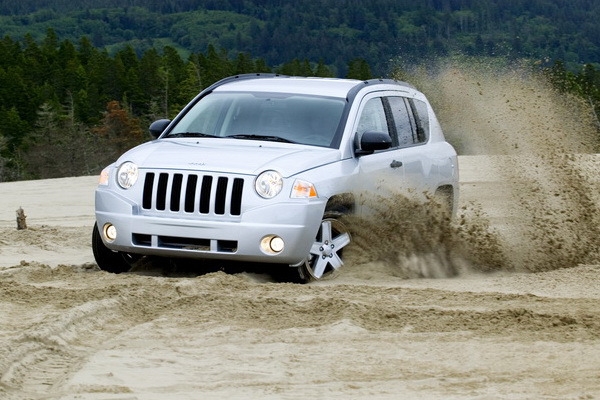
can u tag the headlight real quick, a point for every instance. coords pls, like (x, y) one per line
(268, 184)
(303, 190)
(127, 175)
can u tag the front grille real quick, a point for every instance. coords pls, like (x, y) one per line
(192, 193)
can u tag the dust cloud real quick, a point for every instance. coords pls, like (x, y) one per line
(409, 239)
(540, 148)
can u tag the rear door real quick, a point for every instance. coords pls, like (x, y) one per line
(412, 134)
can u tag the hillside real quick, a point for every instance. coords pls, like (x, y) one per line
(329, 30)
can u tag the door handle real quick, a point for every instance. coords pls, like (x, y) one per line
(396, 164)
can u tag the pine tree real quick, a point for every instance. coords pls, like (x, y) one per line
(121, 130)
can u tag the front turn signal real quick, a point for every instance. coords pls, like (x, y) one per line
(303, 190)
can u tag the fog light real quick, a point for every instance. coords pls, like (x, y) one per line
(276, 244)
(272, 244)
(110, 232)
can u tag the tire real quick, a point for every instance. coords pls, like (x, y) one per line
(109, 260)
(326, 253)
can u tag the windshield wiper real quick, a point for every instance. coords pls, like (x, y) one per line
(269, 138)
(190, 134)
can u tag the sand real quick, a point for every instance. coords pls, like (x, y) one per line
(516, 317)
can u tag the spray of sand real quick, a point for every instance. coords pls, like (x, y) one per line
(408, 239)
(539, 145)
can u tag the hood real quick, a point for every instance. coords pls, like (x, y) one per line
(248, 157)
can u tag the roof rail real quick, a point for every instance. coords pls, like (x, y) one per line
(241, 77)
(389, 81)
(354, 91)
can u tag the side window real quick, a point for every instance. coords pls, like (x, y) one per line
(373, 117)
(404, 122)
(419, 108)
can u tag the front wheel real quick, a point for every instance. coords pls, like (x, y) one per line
(325, 255)
(110, 260)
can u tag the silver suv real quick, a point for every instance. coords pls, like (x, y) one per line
(259, 168)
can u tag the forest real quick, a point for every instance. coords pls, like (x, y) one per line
(80, 82)
(333, 31)
(71, 108)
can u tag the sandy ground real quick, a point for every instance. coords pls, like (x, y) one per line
(513, 312)
(71, 331)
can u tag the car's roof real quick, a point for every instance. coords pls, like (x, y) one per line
(333, 87)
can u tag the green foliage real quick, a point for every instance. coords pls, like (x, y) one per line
(304, 68)
(59, 101)
(58, 146)
(584, 83)
(329, 30)
(359, 69)
(62, 63)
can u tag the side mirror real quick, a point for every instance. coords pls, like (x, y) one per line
(371, 141)
(158, 127)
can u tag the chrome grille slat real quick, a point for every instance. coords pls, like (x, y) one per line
(192, 193)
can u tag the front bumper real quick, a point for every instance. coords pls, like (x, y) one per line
(180, 234)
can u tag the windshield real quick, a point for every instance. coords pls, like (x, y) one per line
(288, 118)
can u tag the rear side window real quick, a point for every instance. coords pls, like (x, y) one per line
(411, 121)
(404, 122)
(419, 109)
